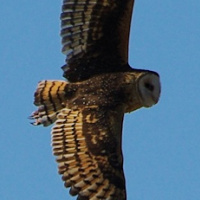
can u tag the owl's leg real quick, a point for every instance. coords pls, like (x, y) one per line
(50, 98)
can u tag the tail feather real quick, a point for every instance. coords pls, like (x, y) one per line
(50, 99)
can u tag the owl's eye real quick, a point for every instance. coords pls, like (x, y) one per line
(149, 86)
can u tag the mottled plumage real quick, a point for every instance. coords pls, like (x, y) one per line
(88, 109)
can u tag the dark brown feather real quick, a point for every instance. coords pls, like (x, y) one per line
(95, 36)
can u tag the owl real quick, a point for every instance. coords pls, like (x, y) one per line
(87, 109)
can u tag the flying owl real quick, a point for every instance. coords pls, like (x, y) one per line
(88, 108)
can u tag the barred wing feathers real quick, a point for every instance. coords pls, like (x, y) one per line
(88, 149)
(95, 36)
(86, 142)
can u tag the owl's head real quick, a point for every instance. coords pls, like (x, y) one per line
(149, 88)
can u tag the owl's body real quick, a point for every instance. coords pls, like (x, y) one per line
(89, 108)
(106, 90)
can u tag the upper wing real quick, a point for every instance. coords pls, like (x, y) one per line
(95, 36)
(87, 144)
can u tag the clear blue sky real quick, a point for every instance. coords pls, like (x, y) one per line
(161, 145)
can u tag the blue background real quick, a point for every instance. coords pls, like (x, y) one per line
(161, 145)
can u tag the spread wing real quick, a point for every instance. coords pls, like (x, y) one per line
(87, 144)
(95, 36)
(86, 141)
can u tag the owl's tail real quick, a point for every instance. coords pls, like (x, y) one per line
(50, 98)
